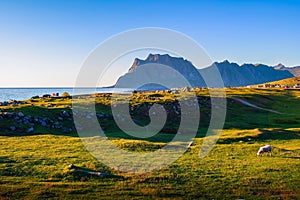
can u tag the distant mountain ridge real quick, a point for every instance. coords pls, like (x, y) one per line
(294, 70)
(233, 75)
(248, 74)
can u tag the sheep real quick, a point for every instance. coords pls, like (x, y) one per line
(191, 144)
(72, 166)
(265, 149)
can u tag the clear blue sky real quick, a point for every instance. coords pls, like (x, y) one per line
(44, 42)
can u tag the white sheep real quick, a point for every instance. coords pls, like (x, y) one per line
(191, 144)
(265, 149)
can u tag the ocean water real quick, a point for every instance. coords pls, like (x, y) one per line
(26, 93)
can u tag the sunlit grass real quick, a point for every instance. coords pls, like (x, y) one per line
(36, 166)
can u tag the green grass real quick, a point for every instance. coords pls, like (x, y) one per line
(289, 81)
(35, 166)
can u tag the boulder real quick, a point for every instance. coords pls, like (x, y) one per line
(65, 113)
(46, 96)
(20, 114)
(100, 115)
(13, 128)
(30, 130)
(88, 116)
(50, 105)
(35, 97)
(44, 123)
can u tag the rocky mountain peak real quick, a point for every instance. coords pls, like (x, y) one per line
(164, 59)
(279, 66)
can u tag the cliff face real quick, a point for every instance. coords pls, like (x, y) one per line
(141, 68)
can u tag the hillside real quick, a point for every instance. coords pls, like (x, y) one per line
(289, 81)
(35, 165)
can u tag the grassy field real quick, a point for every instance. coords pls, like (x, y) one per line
(35, 165)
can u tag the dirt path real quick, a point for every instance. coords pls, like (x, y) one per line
(254, 106)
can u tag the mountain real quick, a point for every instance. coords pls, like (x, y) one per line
(232, 74)
(152, 70)
(294, 70)
(248, 74)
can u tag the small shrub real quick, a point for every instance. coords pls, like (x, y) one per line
(65, 94)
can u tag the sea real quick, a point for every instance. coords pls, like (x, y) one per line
(26, 93)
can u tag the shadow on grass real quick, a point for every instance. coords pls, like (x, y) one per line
(275, 134)
(6, 159)
(82, 173)
(238, 116)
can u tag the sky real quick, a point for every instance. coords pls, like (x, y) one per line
(44, 43)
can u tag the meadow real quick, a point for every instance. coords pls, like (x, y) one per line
(36, 165)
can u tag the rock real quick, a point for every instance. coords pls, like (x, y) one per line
(57, 125)
(65, 114)
(35, 97)
(46, 96)
(13, 128)
(44, 123)
(7, 115)
(60, 118)
(27, 117)
(88, 117)
(65, 130)
(20, 114)
(100, 115)
(30, 130)
(50, 105)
